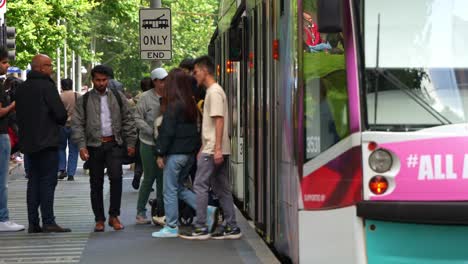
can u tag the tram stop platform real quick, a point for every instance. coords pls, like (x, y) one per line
(133, 245)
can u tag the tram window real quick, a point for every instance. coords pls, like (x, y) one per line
(325, 89)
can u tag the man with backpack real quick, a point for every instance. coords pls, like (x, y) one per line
(104, 129)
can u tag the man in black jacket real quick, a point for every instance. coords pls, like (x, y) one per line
(40, 112)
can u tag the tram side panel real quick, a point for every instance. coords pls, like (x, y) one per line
(331, 185)
(287, 224)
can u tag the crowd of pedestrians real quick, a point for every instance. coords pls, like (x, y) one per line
(176, 135)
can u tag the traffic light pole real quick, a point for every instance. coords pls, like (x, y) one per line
(155, 4)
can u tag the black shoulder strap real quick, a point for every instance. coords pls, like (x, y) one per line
(117, 96)
(85, 103)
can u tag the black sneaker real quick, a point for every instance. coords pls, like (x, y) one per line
(34, 229)
(70, 178)
(227, 233)
(198, 233)
(62, 175)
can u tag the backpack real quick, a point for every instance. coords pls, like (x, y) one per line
(125, 158)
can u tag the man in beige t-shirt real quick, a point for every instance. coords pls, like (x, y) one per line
(67, 167)
(213, 159)
(215, 106)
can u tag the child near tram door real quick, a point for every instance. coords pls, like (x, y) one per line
(213, 158)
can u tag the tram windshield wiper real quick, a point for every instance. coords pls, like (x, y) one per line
(395, 81)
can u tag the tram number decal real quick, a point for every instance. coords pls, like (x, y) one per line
(313, 144)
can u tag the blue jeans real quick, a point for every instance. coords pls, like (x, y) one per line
(176, 172)
(320, 47)
(65, 139)
(4, 163)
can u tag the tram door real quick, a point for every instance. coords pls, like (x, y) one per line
(260, 214)
(234, 79)
(251, 126)
(257, 127)
(269, 132)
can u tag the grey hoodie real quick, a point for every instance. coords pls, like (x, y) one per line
(147, 110)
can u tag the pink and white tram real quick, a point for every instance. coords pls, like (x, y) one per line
(348, 126)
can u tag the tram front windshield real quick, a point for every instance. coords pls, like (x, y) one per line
(416, 63)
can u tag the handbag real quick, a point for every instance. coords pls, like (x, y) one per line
(13, 137)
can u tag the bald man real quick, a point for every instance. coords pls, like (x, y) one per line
(40, 114)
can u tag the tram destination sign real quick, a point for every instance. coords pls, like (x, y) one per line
(155, 34)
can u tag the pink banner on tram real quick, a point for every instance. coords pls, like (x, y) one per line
(430, 170)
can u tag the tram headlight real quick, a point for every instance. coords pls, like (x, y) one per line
(380, 161)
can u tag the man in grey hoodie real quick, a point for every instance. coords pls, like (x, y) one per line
(147, 110)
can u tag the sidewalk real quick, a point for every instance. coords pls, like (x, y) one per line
(134, 244)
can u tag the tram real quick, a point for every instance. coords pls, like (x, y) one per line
(349, 126)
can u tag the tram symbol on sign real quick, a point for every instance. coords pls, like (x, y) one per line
(155, 23)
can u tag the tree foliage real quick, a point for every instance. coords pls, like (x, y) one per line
(193, 25)
(116, 41)
(107, 32)
(42, 27)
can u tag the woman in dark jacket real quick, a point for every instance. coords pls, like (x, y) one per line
(176, 145)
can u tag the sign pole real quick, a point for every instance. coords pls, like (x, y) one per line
(156, 63)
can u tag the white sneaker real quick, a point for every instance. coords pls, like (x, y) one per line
(10, 226)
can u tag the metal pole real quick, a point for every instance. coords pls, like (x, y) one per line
(79, 75)
(155, 3)
(93, 50)
(58, 70)
(155, 63)
(72, 73)
(65, 70)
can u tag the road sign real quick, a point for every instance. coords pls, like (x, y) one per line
(2, 10)
(3, 6)
(155, 34)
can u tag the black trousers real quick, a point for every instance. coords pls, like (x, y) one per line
(108, 155)
(43, 166)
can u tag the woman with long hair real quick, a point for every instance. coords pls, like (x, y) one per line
(176, 146)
